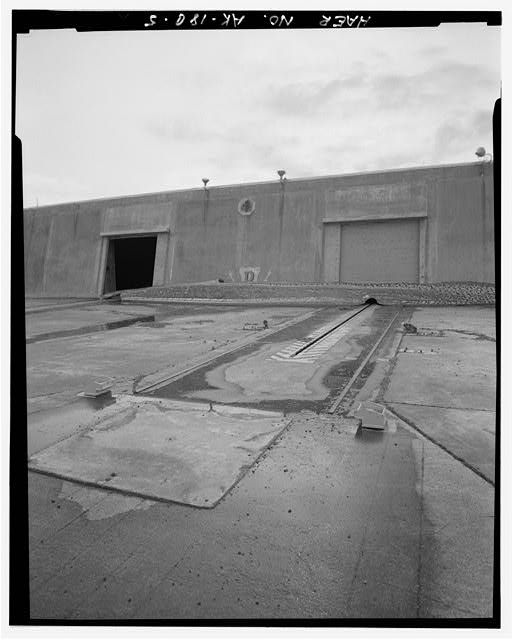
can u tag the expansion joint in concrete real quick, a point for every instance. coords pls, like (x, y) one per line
(411, 424)
(421, 536)
(438, 406)
(361, 551)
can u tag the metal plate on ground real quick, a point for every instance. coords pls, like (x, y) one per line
(191, 453)
(371, 415)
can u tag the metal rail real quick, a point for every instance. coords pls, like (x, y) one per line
(348, 386)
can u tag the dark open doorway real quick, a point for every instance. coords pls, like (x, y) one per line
(130, 263)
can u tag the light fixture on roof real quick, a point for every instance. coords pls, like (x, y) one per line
(205, 182)
(481, 153)
(281, 173)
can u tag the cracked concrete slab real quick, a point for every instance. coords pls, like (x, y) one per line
(191, 453)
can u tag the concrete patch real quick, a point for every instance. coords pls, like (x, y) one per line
(191, 453)
(98, 504)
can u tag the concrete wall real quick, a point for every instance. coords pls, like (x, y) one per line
(202, 236)
(461, 238)
(62, 249)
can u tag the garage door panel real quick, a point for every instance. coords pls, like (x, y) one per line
(380, 251)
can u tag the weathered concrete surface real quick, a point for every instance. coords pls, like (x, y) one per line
(48, 426)
(325, 525)
(450, 393)
(328, 524)
(306, 533)
(469, 435)
(163, 450)
(457, 541)
(459, 373)
(57, 370)
(456, 544)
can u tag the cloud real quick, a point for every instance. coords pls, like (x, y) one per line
(349, 144)
(458, 77)
(190, 130)
(355, 81)
(451, 136)
(392, 91)
(438, 85)
(433, 51)
(177, 129)
(49, 189)
(307, 98)
(481, 123)
(463, 135)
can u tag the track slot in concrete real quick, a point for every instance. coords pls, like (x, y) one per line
(154, 382)
(357, 373)
(325, 334)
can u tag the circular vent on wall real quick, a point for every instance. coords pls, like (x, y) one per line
(246, 206)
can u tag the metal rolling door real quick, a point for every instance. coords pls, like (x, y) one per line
(385, 251)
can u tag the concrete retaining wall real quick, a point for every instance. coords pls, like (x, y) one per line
(202, 235)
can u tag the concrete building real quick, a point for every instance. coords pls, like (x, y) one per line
(428, 224)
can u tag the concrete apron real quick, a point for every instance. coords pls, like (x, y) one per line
(191, 453)
(185, 452)
(366, 523)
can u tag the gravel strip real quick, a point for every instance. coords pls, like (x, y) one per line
(402, 293)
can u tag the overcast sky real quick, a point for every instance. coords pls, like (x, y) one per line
(107, 114)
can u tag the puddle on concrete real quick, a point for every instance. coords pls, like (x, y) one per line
(49, 426)
(80, 331)
(82, 405)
